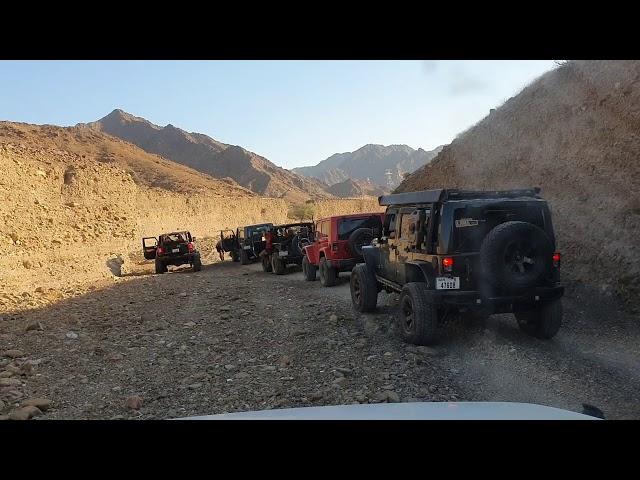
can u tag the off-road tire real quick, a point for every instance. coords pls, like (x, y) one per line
(160, 267)
(244, 257)
(358, 239)
(364, 289)
(542, 322)
(197, 263)
(515, 256)
(417, 318)
(308, 270)
(266, 263)
(278, 266)
(328, 275)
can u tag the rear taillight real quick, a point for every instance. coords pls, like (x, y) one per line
(190, 247)
(159, 251)
(447, 264)
(556, 259)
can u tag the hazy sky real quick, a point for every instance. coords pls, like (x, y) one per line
(293, 112)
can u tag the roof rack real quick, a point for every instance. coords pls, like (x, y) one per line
(442, 195)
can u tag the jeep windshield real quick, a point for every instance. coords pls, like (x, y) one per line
(347, 226)
(471, 223)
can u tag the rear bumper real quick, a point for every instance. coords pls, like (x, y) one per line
(177, 259)
(504, 303)
(342, 265)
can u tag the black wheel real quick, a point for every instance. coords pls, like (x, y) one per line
(358, 239)
(417, 318)
(308, 269)
(266, 263)
(197, 263)
(515, 256)
(364, 289)
(328, 275)
(543, 322)
(244, 257)
(160, 267)
(278, 266)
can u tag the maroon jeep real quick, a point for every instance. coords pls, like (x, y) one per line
(338, 243)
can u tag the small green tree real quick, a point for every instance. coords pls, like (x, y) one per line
(301, 212)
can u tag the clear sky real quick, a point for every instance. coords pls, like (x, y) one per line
(294, 113)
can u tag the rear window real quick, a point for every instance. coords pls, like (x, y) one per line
(174, 237)
(471, 224)
(347, 226)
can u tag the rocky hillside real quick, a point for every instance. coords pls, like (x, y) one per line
(74, 203)
(575, 132)
(370, 163)
(210, 156)
(356, 188)
(344, 206)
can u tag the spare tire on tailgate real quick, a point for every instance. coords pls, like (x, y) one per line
(515, 256)
(358, 239)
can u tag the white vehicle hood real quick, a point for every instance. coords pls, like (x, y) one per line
(409, 411)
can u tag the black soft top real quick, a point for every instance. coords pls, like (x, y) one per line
(300, 224)
(443, 195)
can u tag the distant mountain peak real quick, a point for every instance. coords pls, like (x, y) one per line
(203, 153)
(379, 164)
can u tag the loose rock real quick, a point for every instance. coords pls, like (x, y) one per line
(340, 381)
(134, 402)
(35, 325)
(40, 403)
(10, 382)
(13, 353)
(25, 413)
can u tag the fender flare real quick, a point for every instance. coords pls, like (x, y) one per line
(420, 272)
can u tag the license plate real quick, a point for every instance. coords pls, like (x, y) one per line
(447, 283)
(176, 250)
(247, 247)
(283, 254)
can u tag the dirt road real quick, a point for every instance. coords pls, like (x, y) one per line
(233, 338)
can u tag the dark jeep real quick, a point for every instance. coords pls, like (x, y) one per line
(245, 244)
(175, 248)
(285, 246)
(453, 251)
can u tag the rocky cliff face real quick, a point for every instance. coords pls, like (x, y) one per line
(575, 133)
(73, 206)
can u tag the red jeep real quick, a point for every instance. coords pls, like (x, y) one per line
(338, 243)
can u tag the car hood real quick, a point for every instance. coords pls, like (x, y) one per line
(409, 411)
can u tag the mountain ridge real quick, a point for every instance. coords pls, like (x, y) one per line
(370, 163)
(205, 154)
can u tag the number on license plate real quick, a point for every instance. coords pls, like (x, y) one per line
(176, 250)
(447, 283)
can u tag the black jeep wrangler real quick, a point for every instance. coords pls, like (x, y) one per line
(285, 246)
(175, 248)
(455, 251)
(245, 244)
